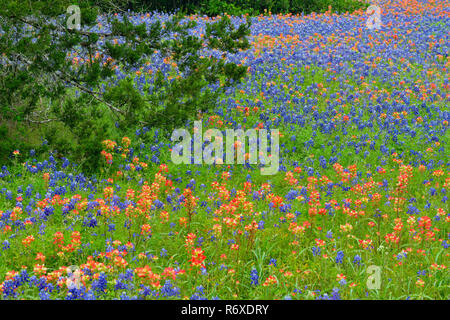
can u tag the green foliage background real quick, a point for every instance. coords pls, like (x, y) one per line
(238, 7)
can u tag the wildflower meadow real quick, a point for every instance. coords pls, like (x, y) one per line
(356, 206)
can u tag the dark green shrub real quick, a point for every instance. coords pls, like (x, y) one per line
(41, 86)
(236, 7)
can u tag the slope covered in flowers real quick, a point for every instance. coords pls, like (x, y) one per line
(364, 180)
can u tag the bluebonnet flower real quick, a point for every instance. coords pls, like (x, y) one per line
(101, 283)
(200, 241)
(316, 251)
(124, 296)
(6, 245)
(401, 255)
(199, 294)
(339, 257)
(254, 277)
(122, 285)
(168, 290)
(357, 260)
(261, 225)
(421, 272)
(75, 293)
(335, 294)
(43, 295)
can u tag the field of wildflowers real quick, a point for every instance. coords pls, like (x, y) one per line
(358, 209)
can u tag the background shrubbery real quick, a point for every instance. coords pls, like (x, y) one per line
(238, 7)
